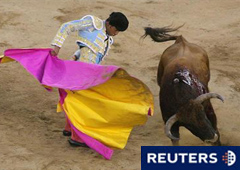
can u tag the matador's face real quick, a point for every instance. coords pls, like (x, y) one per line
(111, 30)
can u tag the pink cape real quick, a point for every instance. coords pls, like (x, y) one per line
(66, 75)
(52, 71)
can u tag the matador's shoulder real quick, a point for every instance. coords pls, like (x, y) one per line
(97, 22)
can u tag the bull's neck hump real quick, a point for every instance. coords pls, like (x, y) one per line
(180, 39)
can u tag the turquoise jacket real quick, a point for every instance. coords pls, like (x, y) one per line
(91, 33)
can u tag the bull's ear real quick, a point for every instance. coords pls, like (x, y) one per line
(200, 99)
(169, 125)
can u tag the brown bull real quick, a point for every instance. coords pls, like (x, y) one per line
(183, 76)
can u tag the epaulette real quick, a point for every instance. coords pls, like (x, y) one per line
(97, 22)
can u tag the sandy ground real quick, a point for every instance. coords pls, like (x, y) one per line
(31, 130)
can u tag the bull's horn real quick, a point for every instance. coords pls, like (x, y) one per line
(207, 96)
(168, 127)
(215, 138)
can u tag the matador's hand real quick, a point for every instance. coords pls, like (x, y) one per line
(55, 51)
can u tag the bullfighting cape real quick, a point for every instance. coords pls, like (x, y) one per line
(102, 103)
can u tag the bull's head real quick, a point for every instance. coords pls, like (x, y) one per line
(193, 117)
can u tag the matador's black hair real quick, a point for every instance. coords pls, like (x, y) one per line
(118, 20)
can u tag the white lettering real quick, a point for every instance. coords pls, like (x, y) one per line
(161, 158)
(174, 160)
(213, 158)
(202, 157)
(192, 158)
(183, 156)
(151, 157)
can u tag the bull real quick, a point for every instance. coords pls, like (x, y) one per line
(183, 76)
